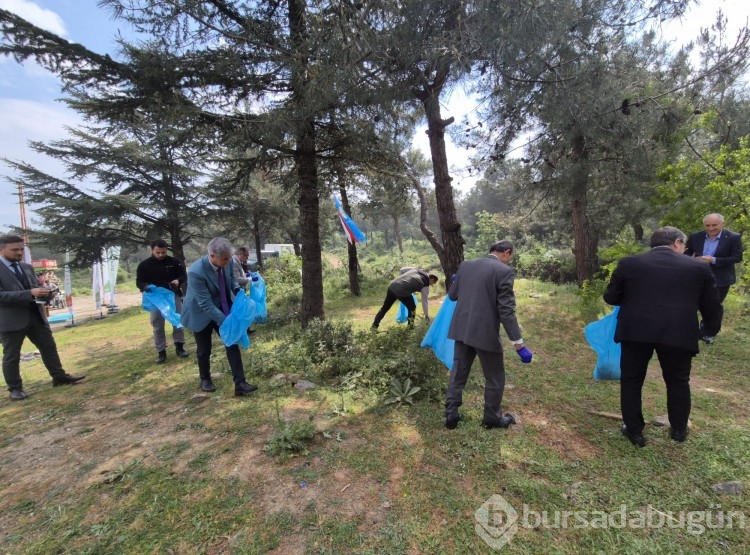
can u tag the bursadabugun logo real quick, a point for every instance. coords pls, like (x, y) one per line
(497, 521)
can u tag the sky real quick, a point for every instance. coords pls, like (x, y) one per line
(30, 109)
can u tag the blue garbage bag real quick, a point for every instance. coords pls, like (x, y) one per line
(258, 294)
(234, 328)
(161, 299)
(601, 337)
(436, 337)
(402, 316)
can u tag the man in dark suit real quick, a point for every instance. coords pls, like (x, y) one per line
(162, 270)
(21, 317)
(207, 303)
(483, 289)
(660, 293)
(721, 249)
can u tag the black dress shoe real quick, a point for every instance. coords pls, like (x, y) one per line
(243, 388)
(636, 439)
(505, 421)
(66, 379)
(452, 422)
(679, 435)
(207, 385)
(162, 358)
(17, 394)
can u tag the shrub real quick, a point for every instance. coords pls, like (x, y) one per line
(551, 265)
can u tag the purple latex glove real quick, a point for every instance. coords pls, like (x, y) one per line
(524, 354)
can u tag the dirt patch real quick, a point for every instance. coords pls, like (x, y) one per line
(557, 437)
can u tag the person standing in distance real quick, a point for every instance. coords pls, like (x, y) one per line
(21, 316)
(721, 249)
(660, 293)
(239, 266)
(207, 303)
(162, 270)
(483, 291)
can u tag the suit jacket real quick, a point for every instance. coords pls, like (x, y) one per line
(659, 294)
(728, 253)
(15, 300)
(202, 304)
(483, 290)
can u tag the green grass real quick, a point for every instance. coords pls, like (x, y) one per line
(129, 462)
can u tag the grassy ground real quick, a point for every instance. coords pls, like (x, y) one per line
(132, 461)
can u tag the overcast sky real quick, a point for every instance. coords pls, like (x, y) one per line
(30, 109)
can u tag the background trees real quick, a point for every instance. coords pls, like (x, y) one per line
(239, 108)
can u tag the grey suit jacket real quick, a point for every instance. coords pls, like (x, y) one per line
(202, 304)
(484, 293)
(15, 300)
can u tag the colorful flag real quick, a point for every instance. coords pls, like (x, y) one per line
(353, 234)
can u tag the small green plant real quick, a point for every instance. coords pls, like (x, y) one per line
(290, 438)
(402, 392)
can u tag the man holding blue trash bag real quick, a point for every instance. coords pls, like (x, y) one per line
(483, 291)
(162, 270)
(660, 293)
(207, 304)
(411, 280)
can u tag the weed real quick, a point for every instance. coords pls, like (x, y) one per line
(402, 392)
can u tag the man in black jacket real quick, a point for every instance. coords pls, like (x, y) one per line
(660, 293)
(721, 249)
(165, 271)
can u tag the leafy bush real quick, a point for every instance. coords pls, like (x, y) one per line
(545, 264)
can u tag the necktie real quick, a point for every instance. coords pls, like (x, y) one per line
(19, 275)
(223, 292)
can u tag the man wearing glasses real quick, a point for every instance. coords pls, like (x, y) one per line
(660, 293)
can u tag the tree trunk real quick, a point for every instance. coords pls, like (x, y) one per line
(397, 233)
(258, 247)
(450, 229)
(426, 231)
(353, 262)
(585, 236)
(307, 170)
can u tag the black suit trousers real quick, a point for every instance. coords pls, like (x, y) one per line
(203, 346)
(390, 299)
(41, 336)
(675, 368)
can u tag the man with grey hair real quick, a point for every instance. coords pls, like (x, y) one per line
(238, 267)
(207, 303)
(721, 249)
(483, 291)
(660, 293)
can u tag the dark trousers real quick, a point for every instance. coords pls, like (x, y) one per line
(203, 345)
(675, 369)
(390, 298)
(40, 335)
(494, 380)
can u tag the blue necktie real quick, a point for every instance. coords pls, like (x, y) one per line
(223, 292)
(19, 275)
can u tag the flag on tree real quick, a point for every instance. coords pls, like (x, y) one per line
(353, 234)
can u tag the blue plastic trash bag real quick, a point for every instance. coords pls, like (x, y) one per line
(258, 294)
(436, 337)
(161, 299)
(601, 337)
(241, 315)
(402, 316)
